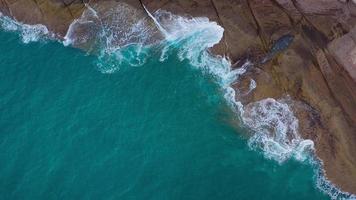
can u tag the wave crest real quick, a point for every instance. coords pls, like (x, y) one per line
(120, 40)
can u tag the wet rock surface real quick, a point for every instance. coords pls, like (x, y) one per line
(317, 70)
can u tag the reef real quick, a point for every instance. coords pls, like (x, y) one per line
(315, 67)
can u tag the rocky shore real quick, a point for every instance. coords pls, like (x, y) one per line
(317, 70)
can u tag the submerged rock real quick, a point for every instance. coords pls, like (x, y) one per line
(280, 45)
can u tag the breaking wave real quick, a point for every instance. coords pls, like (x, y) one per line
(275, 130)
(114, 37)
(28, 33)
(326, 185)
(131, 42)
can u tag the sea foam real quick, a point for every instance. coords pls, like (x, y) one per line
(326, 185)
(192, 38)
(130, 42)
(28, 33)
(113, 36)
(110, 29)
(275, 130)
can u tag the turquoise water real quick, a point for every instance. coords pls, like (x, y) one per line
(159, 131)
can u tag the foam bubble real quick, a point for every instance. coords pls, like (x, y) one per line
(192, 37)
(32, 33)
(109, 29)
(275, 130)
(253, 85)
(134, 55)
(112, 35)
(28, 33)
(326, 185)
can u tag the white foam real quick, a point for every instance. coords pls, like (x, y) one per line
(275, 130)
(87, 27)
(28, 33)
(113, 35)
(32, 33)
(253, 85)
(326, 185)
(192, 38)
(110, 30)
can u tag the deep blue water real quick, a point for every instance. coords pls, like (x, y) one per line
(159, 131)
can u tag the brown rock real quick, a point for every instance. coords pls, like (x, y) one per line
(344, 51)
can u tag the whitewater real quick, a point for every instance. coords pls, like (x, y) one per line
(273, 126)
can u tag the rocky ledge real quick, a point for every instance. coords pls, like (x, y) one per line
(317, 70)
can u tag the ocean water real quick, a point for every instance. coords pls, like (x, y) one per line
(162, 130)
(146, 112)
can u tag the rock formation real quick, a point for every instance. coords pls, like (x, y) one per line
(318, 70)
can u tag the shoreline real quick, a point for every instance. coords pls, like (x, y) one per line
(312, 70)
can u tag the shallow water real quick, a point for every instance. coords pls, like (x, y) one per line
(159, 131)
